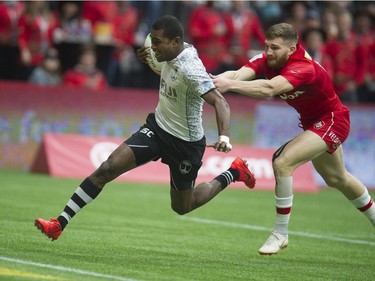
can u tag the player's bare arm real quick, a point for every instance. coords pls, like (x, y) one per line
(242, 74)
(222, 111)
(260, 88)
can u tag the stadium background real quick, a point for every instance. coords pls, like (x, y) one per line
(28, 111)
(131, 233)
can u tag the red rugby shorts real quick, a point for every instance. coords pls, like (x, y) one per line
(333, 128)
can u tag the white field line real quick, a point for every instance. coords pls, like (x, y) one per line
(261, 228)
(68, 269)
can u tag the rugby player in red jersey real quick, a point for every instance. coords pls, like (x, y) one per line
(291, 74)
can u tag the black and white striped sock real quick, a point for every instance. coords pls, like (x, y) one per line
(83, 195)
(227, 177)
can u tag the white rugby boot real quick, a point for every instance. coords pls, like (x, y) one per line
(274, 244)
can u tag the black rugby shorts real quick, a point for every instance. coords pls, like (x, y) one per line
(184, 159)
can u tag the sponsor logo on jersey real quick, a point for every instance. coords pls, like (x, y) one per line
(174, 75)
(291, 96)
(318, 125)
(167, 91)
(185, 167)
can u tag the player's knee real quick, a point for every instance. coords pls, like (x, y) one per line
(105, 171)
(281, 165)
(105, 168)
(337, 181)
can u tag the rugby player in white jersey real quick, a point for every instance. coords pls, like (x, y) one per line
(174, 133)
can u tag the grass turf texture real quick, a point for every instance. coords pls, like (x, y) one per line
(130, 233)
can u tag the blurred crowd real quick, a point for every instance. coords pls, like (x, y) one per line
(92, 43)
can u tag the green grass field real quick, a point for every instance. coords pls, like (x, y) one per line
(130, 233)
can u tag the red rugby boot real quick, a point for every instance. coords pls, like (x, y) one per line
(246, 176)
(51, 228)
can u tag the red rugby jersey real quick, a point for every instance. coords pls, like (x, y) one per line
(313, 95)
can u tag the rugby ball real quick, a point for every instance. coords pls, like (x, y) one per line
(151, 59)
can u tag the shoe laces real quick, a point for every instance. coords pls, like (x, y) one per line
(275, 236)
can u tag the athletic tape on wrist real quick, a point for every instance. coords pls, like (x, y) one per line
(225, 139)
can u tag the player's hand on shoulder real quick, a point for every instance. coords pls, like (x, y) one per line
(221, 83)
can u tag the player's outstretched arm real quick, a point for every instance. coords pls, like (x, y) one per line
(260, 88)
(222, 111)
(243, 74)
(224, 80)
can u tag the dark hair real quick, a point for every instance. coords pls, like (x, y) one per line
(282, 30)
(51, 53)
(307, 32)
(171, 26)
(85, 48)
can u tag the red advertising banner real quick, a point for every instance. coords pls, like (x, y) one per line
(76, 156)
(27, 112)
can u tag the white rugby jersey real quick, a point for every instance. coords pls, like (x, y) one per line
(183, 81)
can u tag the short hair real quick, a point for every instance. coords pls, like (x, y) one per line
(171, 25)
(285, 31)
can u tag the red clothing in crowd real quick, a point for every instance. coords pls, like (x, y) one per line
(349, 62)
(9, 16)
(95, 80)
(247, 28)
(125, 24)
(99, 12)
(371, 61)
(367, 40)
(36, 35)
(213, 47)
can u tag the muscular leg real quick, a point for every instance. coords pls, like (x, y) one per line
(300, 150)
(187, 200)
(286, 159)
(185, 197)
(121, 160)
(332, 168)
